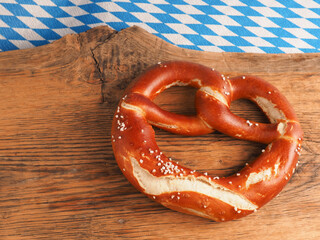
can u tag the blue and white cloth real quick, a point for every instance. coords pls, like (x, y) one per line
(258, 26)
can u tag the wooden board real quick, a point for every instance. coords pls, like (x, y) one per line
(58, 175)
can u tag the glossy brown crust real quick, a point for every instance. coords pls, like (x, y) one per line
(134, 144)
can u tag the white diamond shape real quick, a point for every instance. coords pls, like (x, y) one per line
(74, 11)
(111, 7)
(217, 40)
(300, 33)
(233, 3)
(184, 18)
(260, 32)
(305, 13)
(264, 22)
(181, 28)
(257, 41)
(4, 11)
(145, 17)
(298, 43)
(271, 3)
(227, 10)
(177, 39)
(267, 12)
(3, 24)
(8, 1)
(303, 23)
(143, 25)
(21, 44)
(44, 3)
(188, 9)
(107, 17)
(97, 24)
(196, 2)
(32, 22)
(308, 3)
(220, 30)
(150, 8)
(225, 20)
(63, 31)
(211, 48)
(70, 22)
(36, 11)
(158, 1)
(251, 49)
(290, 50)
(2, 37)
(80, 2)
(28, 34)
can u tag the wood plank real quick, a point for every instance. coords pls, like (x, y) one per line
(58, 176)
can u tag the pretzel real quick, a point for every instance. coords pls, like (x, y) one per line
(186, 190)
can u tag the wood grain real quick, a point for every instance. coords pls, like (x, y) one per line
(58, 176)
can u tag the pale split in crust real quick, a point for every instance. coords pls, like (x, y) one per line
(189, 191)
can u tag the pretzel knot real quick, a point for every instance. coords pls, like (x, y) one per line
(185, 190)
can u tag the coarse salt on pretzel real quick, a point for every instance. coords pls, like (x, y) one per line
(189, 191)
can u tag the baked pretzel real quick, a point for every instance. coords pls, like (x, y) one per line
(185, 190)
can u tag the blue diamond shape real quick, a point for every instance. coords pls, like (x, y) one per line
(30, 2)
(88, 19)
(216, 2)
(47, 34)
(161, 28)
(282, 22)
(39, 42)
(9, 33)
(280, 32)
(244, 21)
(92, 8)
(126, 17)
(290, 4)
(278, 42)
(130, 7)
(313, 42)
(209, 10)
(118, 25)
(271, 50)
(286, 13)
(169, 9)
(13, 21)
(5, 45)
(248, 11)
(80, 29)
(230, 49)
(165, 18)
(52, 23)
(63, 3)
(197, 40)
(201, 29)
(237, 41)
(205, 19)
(315, 21)
(16, 9)
(55, 12)
(240, 31)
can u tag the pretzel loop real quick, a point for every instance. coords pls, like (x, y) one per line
(186, 190)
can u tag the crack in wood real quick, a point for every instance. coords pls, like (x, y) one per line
(101, 78)
(107, 39)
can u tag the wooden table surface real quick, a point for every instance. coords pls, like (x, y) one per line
(58, 175)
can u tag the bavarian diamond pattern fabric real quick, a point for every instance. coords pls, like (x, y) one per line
(258, 26)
